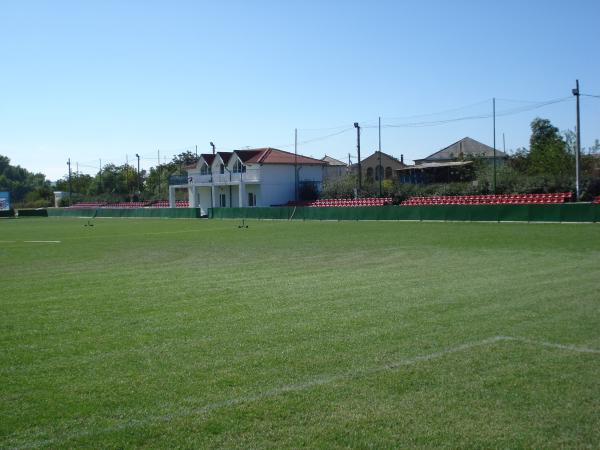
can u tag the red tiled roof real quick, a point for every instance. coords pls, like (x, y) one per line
(208, 157)
(274, 156)
(246, 155)
(225, 156)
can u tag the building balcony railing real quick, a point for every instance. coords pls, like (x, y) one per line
(250, 176)
(178, 179)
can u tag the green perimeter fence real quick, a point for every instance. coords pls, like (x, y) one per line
(567, 212)
(174, 213)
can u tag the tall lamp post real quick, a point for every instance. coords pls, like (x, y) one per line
(357, 126)
(578, 142)
(138, 173)
(70, 184)
(380, 168)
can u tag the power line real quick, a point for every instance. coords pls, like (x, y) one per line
(528, 106)
(478, 116)
(460, 108)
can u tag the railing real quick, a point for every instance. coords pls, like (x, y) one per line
(178, 179)
(197, 178)
(248, 176)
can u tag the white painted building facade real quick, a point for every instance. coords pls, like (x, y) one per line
(246, 178)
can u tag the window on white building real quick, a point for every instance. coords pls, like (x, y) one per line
(205, 169)
(222, 169)
(238, 167)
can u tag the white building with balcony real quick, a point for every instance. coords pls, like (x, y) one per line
(257, 177)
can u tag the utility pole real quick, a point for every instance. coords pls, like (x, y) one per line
(358, 149)
(196, 150)
(100, 173)
(578, 142)
(296, 164)
(503, 144)
(380, 168)
(138, 173)
(494, 114)
(127, 175)
(158, 170)
(70, 185)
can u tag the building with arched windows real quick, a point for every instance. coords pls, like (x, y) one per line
(378, 166)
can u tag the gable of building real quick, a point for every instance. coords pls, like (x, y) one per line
(464, 149)
(332, 161)
(386, 160)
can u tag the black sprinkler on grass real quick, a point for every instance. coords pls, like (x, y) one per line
(243, 225)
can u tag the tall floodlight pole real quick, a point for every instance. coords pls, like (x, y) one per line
(358, 150)
(578, 141)
(70, 185)
(138, 173)
(213, 147)
(494, 114)
(296, 164)
(380, 168)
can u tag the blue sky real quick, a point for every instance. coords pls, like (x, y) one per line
(102, 80)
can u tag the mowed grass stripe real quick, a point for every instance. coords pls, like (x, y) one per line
(162, 320)
(177, 412)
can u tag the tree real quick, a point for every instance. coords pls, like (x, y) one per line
(185, 159)
(24, 186)
(548, 152)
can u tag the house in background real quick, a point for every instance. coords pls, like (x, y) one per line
(450, 164)
(436, 172)
(371, 170)
(257, 177)
(465, 149)
(334, 169)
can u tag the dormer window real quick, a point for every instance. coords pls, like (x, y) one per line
(238, 167)
(205, 169)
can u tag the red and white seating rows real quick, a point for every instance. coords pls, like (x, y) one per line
(156, 204)
(596, 200)
(89, 205)
(490, 199)
(351, 202)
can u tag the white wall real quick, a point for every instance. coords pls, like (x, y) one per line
(204, 198)
(277, 182)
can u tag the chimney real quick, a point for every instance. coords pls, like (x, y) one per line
(402, 159)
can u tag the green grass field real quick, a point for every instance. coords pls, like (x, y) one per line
(194, 333)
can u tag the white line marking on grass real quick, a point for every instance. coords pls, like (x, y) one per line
(44, 242)
(572, 348)
(297, 387)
